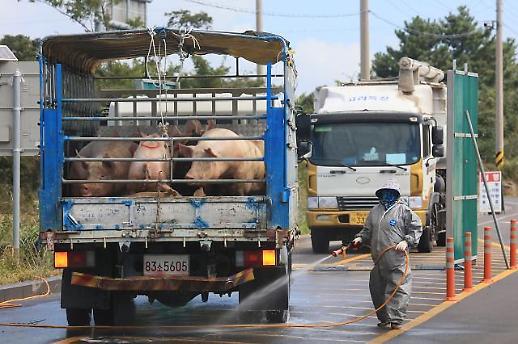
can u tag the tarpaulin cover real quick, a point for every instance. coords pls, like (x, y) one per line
(84, 52)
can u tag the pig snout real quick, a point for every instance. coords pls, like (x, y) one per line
(85, 190)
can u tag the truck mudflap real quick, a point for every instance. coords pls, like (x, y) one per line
(164, 283)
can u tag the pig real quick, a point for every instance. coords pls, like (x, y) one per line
(192, 128)
(101, 169)
(151, 169)
(225, 169)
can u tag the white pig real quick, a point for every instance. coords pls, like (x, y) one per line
(225, 169)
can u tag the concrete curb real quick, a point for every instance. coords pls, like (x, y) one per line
(29, 288)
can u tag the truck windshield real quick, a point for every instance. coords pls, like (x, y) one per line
(366, 144)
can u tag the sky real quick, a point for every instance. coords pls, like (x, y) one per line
(325, 34)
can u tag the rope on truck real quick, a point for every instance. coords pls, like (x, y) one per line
(231, 326)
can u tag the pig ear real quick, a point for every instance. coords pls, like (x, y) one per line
(185, 150)
(193, 127)
(211, 124)
(140, 133)
(174, 131)
(210, 152)
(77, 154)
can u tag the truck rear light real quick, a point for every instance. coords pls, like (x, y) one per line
(253, 258)
(75, 259)
(60, 260)
(269, 257)
(256, 258)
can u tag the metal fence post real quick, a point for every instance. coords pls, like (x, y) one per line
(468, 273)
(17, 108)
(487, 254)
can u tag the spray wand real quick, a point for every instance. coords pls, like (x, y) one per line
(343, 250)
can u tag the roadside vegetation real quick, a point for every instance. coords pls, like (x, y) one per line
(34, 261)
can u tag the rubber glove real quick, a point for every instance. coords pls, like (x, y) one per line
(356, 242)
(402, 246)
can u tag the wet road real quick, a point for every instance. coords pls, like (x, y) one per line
(335, 291)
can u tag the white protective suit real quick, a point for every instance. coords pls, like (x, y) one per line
(383, 229)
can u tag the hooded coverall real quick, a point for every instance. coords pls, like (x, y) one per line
(382, 229)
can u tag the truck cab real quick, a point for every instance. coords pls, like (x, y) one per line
(364, 134)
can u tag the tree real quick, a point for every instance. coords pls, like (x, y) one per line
(25, 48)
(304, 103)
(458, 37)
(88, 13)
(185, 20)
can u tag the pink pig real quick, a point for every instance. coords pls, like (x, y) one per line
(101, 170)
(225, 169)
(150, 170)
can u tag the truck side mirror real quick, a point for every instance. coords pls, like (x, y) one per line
(438, 135)
(303, 149)
(303, 124)
(438, 151)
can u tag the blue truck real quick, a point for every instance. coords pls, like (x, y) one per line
(171, 249)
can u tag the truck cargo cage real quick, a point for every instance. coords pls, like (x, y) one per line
(74, 112)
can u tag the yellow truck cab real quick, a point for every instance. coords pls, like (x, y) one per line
(364, 134)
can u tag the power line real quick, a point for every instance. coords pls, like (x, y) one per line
(424, 33)
(272, 14)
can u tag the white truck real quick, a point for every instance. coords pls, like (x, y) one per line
(366, 133)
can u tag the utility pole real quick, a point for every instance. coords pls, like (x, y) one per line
(364, 38)
(499, 122)
(259, 27)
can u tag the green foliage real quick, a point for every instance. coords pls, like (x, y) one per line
(304, 103)
(458, 37)
(33, 261)
(22, 46)
(185, 19)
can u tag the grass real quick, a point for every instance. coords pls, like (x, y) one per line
(33, 261)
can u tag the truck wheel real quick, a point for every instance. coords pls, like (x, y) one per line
(269, 292)
(441, 239)
(277, 316)
(425, 243)
(121, 312)
(319, 242)
(78, 316)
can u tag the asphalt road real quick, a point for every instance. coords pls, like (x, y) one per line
(334, 291)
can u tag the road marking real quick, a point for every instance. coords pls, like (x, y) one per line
(439, 309)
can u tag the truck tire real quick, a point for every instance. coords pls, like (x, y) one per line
(277, 317)
(121, 312)
(78, 316)
(269, 292)
(426, 242)
(441, 239)
(319, 242)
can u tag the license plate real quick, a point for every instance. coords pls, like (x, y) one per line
(165, 264)
(359, 218)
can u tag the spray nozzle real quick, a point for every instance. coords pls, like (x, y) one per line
(341, 251)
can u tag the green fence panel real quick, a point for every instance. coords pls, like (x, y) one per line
(462, 177)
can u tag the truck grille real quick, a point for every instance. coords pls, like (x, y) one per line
(354, 203)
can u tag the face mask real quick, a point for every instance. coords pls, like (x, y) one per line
(388, 198)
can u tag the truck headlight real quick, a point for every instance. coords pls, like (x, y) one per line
(415, 202)
(327, 202)
(312, 202)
